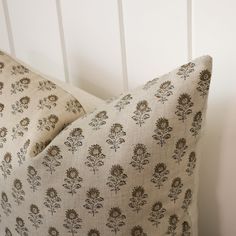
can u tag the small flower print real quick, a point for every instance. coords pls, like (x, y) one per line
(93, 232)
(116, 136)
(33, 178)
(115, 220)
(51, 160)
(20, 128)
(117, 178)
(20, 227)
(180, 150)
(185, 70)
(93, 201)
(140, 157)
(1, 66)
(52, 200)
(17, 191)
(164, 91)
(138, 198)
(39, 147)
(173, 221)
(6, 165)
(21, 154)
(137, 231)
(72, 180)
(204, 82)
(21, 105)
(1, 87)
(19, 69)
(1, 109)
(74, 141)
(162, 131)
(53, 231)
(8, 232)
(3, 134)
(184, 106)
(72, 222)
(186, 229)
(150, 83)
(95, 158)
(196, 124)
(191, 163)
(6, 206)
(35, 217)
(20, 85)
(176, 189)
(48, 102)
(141, 113)
(46, 85)
(73, 106)
(157, 213)
(124, 101)
(47, 123)
(99, 120)
(187, 199)
(160, 175)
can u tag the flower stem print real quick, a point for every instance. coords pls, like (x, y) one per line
(187, 199)
(72, 180)
(19, 69)
(1, 66)
(3, 134)
(74, 141)
(73, 106)
(21, 105)
(137, 231)
(95, 158)
(47, 123)
(115, 220)
(116, 136)
(162, 131)
(48, 102)
(51, 160)
(19, 129)
(20, 227)
(20, 85)
(52, 200)
(140, 157)
(204, 82)
(191, 163)
(93, 201)
(21, 154)
(35, 217)
(164, 91)
(150, 83)
(176, 189)
(1, 109)
(33, 178)
(180, 150)
(173, 221)
(39, 147)
(196, 124)
(72, 222)
(6, 206)
(8, 232)
(141, 112)
(160, 175)
(52, 231)
(138, 198)
(157, 213)
(6, 165)
(17, 191)
(184, 106)
(185, 70)
(124, 101)
(99, 120)
(93, 232)
(46, 85)
(186, 229)
(117, 178)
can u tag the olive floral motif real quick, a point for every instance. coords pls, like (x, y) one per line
(5, 204)
(20, 227)
(52, 231)
(22, 153)
(21, 105)
(141, 112)
(93, 232)
(196, 124)
(19, 69)
(17, 191)
(157, 213)
(150, 83)
(72, 222)
(173, 221)
(1, 87)
(6, 165)
(34, 216)
(73, 106)
(20, 128)
(46, 85)
(99, 120)
(48, 102)
(164, 91)
(187, 199)
(48, 123)
(124, 101)
(1, 109)
(137, 231)
(160, 175)
(8, 232)
(191, 163)
(185, 70)
(176, 189)
(20, 85)
(3, 134)
(1, 66)
(204, 82)
(52, 200)
(180, 150)
(186, 229)
(33, 178)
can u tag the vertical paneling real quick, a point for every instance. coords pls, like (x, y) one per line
(93, 45)
(214, 33)
(36, 35)
(156, 38)
(4, 42)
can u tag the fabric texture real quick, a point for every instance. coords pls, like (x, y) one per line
(128, 168)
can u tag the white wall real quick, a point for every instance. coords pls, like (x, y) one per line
(107, 46)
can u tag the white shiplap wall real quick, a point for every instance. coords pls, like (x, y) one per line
(107, 46)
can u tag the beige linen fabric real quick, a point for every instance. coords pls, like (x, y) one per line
(128, 168)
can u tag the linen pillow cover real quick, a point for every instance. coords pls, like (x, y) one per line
(128, 168)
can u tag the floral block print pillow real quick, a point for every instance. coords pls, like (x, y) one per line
(128, 168)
